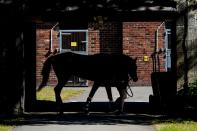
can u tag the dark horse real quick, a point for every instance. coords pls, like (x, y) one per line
(104, 69)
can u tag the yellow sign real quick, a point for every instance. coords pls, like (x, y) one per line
(146, 58)
(73, 43)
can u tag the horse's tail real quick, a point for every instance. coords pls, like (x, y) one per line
(45, 73)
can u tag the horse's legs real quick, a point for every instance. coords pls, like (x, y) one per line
(120, 100)
(57, 90)
(109, 95)
(91, 94)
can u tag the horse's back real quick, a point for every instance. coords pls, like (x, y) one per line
(97, 67)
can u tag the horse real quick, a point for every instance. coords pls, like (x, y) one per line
(104, 69)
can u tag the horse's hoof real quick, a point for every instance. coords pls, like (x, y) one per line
(86, 111)
(118, 112)
(60, 113)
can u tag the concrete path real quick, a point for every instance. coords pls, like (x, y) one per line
(85, 128)
(140, 94)
(96, 121)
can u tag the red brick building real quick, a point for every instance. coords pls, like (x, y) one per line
(136, 38)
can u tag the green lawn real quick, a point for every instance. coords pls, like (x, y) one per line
(175, 125)
(9, 123)
(48, 93)
(5, 127)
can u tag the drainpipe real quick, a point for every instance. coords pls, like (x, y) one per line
(51, 37)
(155, 56)
(156, 49)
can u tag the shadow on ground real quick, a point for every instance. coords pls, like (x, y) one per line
(40, 119)
(173, 109)
(78, 119)
(140, 113)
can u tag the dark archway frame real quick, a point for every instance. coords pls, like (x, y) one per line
(31, 104)
(18, 36)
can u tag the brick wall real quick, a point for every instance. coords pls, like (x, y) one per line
(111, 38)
(138, 41)
(105, 39)
(135, 39)
(42, 47)
(93, 39)
(42, 43)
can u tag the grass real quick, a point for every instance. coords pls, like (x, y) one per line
(6, 127)
(9, 123)
(48, 94)
(175, 125)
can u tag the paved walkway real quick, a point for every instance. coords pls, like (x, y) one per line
(57, 127)
(96, 121)
(140, 94)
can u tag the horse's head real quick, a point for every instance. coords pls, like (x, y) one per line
(133, 70)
